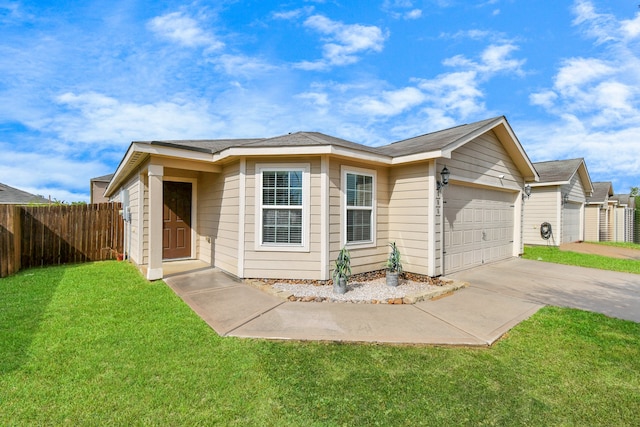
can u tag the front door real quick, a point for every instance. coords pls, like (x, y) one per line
(176, 239)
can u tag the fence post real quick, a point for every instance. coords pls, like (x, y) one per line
(17, 239)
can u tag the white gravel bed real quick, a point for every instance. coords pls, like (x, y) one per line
(373, 290)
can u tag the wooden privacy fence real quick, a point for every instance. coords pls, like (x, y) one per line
(33, 236)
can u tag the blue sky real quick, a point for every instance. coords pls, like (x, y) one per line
(80, 80)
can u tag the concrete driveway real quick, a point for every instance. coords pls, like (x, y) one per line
(614, 294)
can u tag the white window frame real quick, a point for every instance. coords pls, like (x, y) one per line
(306, 201)
(343, 207)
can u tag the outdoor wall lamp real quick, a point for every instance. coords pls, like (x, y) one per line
(444, 181)
(527, 190)
(565, 198)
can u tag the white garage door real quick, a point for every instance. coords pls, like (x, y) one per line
(478, 226)
(571, 222)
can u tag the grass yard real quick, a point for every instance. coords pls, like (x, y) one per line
(553, 254)
(96, 344)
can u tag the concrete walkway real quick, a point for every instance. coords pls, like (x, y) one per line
(471, 316)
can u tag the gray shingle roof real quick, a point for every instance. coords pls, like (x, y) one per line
(309, 139)
(203, 145)
(600, 192)
(10, 196)
(103, 178)
(435, 140)
(625, 199)
(420, 144)
(557, 170)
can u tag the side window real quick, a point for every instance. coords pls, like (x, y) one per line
(282, 207)
(359, 191)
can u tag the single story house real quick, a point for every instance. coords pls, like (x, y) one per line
(600, 213)
(554, 212)
(13, 196)
(624, 218)
(283, 207)
(98, 186)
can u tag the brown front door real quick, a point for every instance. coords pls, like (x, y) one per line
(176, 239)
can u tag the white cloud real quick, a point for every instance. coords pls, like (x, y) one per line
(594, 102)
(457, 93)
(494, 59)
(631, 28)
(241, 65)
(544, 99)
(389, 103)
(343, 43)
(576, 72)
(184, 30)
(293, 14)
(413, 14)
(48, 173)
(93, 117)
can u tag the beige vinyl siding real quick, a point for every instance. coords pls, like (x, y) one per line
(574, 189)
(134, 235)
(592, 223)
(620, 226)
(208, 215)
(541, 207)
(362, 259)
(222, 210)
(482, 161)
(145, 217)
(282, 264)
(409, 215)
(485, 164)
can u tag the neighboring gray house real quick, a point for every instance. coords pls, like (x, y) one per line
(98, 187)
(13, 196)
(557, 200)
(283, 207)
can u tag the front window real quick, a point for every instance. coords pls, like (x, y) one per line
(359, 205)
(282, 207)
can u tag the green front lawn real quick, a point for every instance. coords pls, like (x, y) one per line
(96, 344)
(553, 254)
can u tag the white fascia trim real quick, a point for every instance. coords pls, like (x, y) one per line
(118, 175)
(429, 155)
(325, 263)
(173, 152)
(125, 166)
(548, 184)
(242, 206)
(302, 151)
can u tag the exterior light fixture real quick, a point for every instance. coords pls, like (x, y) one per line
(565, 198)
(527, 190)
(444, 181)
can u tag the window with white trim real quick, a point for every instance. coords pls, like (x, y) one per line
(359, 190)
(283, 205)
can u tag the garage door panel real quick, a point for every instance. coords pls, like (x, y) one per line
(571, 222)
(485, 218)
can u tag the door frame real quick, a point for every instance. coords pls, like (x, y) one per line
(194, 210)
